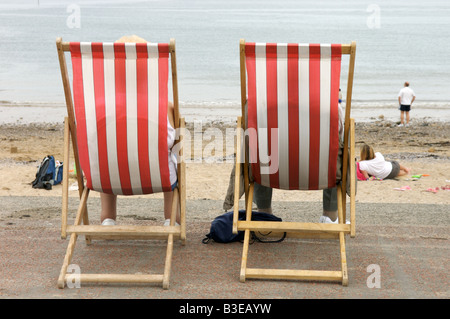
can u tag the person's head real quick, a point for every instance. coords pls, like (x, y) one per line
(131, 38)
(367, 153)
(406, 84)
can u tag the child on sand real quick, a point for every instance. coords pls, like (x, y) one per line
(374, 164)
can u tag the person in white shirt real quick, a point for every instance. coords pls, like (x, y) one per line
(374, 164)
(406, 97)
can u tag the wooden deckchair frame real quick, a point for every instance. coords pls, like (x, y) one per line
(168, 233)
(296, 229)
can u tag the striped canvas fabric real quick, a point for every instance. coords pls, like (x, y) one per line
(120, 100)
(293, 96)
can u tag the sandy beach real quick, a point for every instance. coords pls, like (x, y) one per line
(423, 147)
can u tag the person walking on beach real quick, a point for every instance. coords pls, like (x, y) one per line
(406, 97)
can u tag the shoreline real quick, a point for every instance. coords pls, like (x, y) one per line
(422, 136)
(30, 112)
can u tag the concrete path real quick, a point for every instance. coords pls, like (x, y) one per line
(406, 246)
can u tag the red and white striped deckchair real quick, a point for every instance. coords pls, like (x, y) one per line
(117, 121)
(292, 95)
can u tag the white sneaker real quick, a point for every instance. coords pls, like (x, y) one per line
(167, 222)
(400, 125)
(327, 220)
(108, 222)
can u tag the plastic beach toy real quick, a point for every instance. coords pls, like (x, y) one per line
(419, 175)
(433, 190)
(404, 188)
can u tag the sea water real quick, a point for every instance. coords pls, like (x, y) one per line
(397, 41)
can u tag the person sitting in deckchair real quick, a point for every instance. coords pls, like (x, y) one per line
(109, 201)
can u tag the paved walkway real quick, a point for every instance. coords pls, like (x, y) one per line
(407, 245)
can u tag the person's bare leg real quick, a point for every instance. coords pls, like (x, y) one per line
(402, 115)
(109, 206)
(403, 170)
(168, 199)
(407, 117)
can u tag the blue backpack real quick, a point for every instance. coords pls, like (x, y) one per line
(222, 228)
(49, 173)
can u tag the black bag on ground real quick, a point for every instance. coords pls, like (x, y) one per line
(222, 228)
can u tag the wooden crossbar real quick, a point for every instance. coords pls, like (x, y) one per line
(124, 230)
(346, 48)
(300, 235)
(289, 274)
(292, 227)
(117, 278)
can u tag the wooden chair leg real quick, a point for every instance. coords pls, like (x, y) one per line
(73, 239)
(237, 172)
(168, 264)
(67, 259)
(343, 259)
(340, 203)
(80, 178)
(342, 239)
(352, 180)
(182, 201)
(85, 219)
(169, 252)
(246, 234)
(182, 184)
(65, 181)
(244, 255)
